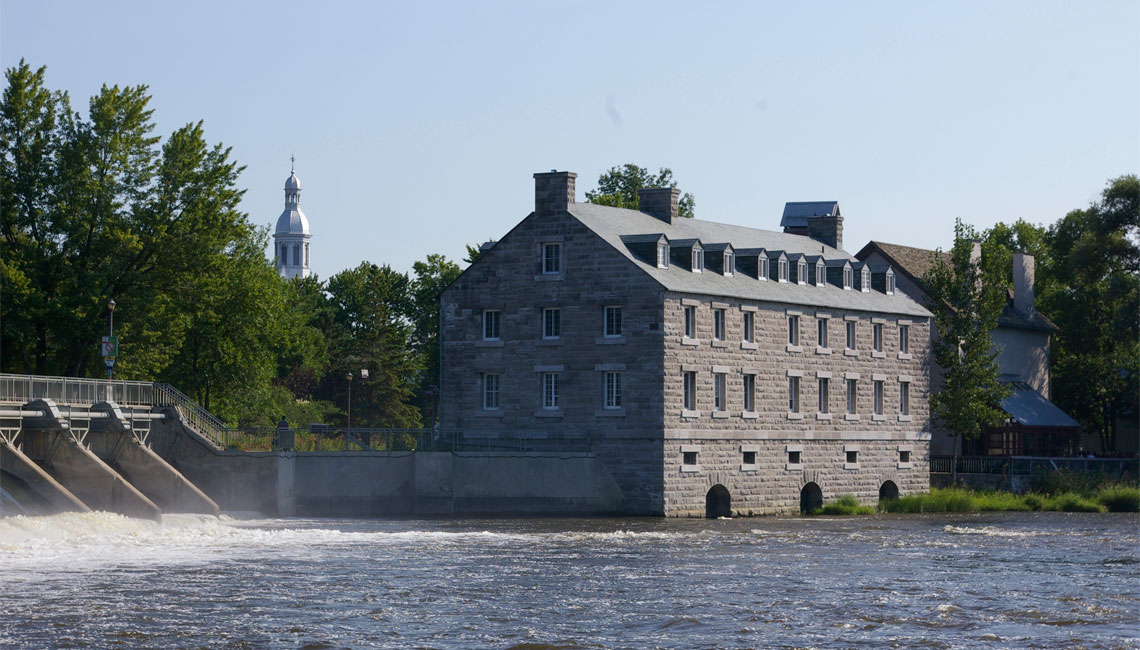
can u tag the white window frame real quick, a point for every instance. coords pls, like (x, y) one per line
(801, 272)
(866, 281)
(718, 324)
(748, 323)
(850, 335)
(720, 391)
(793, 394)
(783, 270)
(491, 385)
(690, 321)
(611, 321)
(552, 263)
(890, 284)
(697, 262)
(820, 275)
(689, 390)
(848, 278)
(492, 320)
(551, 323)
(729, 264)
(611, 390)
(662, 256)
(763, 270)
(550, 391)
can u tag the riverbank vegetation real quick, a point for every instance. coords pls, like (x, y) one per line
(1107, 497)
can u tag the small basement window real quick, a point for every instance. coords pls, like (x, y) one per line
(794, 457)
(852, 457)
(904, 455)
(749, 458)
(689, 458)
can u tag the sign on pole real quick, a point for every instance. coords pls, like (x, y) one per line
(110, 346)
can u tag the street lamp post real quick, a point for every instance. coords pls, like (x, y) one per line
(349, 378)
(109, 359)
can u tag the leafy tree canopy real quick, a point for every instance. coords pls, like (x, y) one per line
(617, 187)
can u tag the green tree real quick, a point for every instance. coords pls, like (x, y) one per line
(617, 187)
(371, 330)
(432, 276)
(966, 297)
(1094, 297)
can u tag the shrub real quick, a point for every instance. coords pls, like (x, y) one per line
(1120, 498)
(845, 505)
(1073, 502)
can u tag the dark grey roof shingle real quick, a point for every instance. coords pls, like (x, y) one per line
(796, 212)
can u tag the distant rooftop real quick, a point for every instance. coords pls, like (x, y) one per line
(796, 213)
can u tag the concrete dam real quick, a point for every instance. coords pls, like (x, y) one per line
(142, 449)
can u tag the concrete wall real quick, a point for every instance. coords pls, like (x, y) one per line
(1024, 353)
(382, 483)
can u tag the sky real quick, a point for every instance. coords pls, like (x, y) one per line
(417, 126)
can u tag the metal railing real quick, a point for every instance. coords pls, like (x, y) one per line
(74, 391)
(1029, 465)
(205, 423)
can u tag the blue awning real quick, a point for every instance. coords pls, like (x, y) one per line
(1029, 408)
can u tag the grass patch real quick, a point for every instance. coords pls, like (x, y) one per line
(1119, 498)
(845, 505)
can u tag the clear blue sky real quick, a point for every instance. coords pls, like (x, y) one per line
(417, 125)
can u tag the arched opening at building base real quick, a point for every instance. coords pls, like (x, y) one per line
(718, 502)
(811, 498)
(888, 491)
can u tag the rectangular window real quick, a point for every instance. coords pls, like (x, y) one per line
(850, 335)
(890, 284)
(612, 390)
(794, 457)
(801, 273)
(851, 388)
(750, 393)
(866, 282)
(551, 323)
(690, 391)
(852, 457)
(662, 256)
(763, 268)
(718, 324)
(847, 278)
(613, 322)
(491, 325)
(490, 392)
(550, 390)
(719, 390)
(904, 398)
(690, 322)
(551, 259)
(904, 455)
(877, 337)
(793, 330)
(783, 270)
(688, 458)
(749, 327)
(793, 394)
(821, 332)
(729, 263)
(878, 397)
(904, 339)
(748, 458)
(823, 396)
(698, 260)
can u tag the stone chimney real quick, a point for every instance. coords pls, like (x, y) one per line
(1023, 271)
(553, 192)
(661, 202)
(826, 230)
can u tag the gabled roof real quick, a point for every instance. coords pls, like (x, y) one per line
(1030, 408)
(915, 263)
(796, 213)
(610, 224)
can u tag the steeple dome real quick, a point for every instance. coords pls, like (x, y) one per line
(291, 237)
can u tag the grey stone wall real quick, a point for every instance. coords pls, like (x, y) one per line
(509, 278)
(719, 436)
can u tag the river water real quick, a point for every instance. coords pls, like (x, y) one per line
(1032, 580)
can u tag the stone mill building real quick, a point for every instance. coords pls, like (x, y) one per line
(715, 369)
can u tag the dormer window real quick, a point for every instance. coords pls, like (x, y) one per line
(890, 283)
(698, 260)
(763, 270)
(663, 255)
(783, 270)
(848, 277)
(866, 280)
(729, 264)
(820, 274)
(801, 271)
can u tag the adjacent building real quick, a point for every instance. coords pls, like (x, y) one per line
(716, 369)
(1035, 426)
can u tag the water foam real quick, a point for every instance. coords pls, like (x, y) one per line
(991, 531)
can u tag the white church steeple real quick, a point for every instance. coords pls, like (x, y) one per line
(291, 238)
